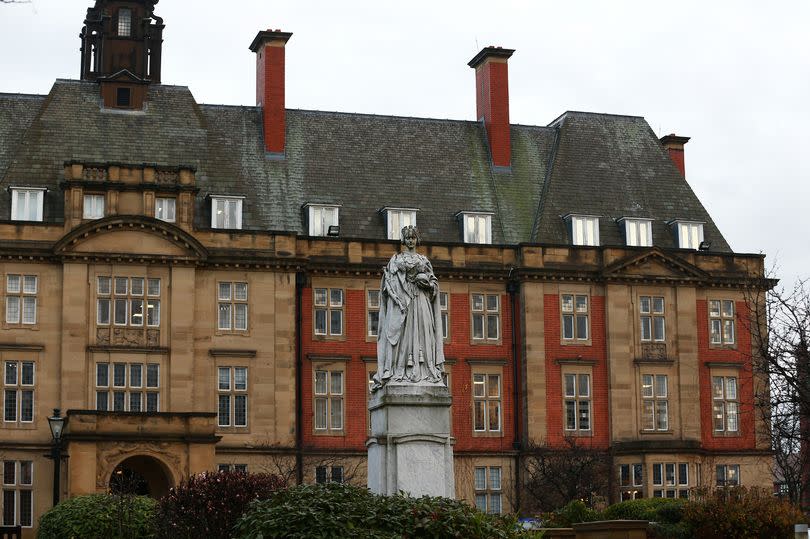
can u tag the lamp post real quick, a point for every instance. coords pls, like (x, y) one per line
(56, 423)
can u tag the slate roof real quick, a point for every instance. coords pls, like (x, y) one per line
(611, 166)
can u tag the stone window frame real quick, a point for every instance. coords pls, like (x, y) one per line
(16, 487)
(650, 314)
(567, 369)
(108, 387)
(21, 293)
(232, 392)
(111, 294)
(172, 206)
(20, 388)
(678, 488)
(232, 302)
(655, 399)
(721, 318)
(486, 369)
(486, 490)
(725, 373)
(575, 291)
(329, 365)
(20, 214)
(91, 212)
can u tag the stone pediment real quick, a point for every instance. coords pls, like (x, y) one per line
(654, 264)
(131, 236)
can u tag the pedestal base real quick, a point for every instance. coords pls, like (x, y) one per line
(410, 448)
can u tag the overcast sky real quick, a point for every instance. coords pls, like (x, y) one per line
(734, 76)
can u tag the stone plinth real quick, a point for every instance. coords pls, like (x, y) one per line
(410, 445)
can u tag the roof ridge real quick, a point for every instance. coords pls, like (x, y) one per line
(20, 94)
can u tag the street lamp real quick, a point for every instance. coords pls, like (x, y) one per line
(56, 423)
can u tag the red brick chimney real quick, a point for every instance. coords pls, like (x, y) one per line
(269, 49)
(492, 100)
(674, 147)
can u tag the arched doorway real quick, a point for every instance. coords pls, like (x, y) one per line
(142, 475)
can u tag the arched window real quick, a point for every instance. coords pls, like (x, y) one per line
(124, 22)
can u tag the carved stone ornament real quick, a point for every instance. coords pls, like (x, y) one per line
(111, 454)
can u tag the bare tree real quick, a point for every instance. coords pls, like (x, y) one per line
(556, 475)
(779, 322)
(279, 461)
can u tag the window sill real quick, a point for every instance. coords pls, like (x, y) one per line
(726, 434)
(487, 434)
(576, 342)
(335, 433)
(714, 346)
(578, 433)
(657, 432)
(486, 342)
(327, 338)
(19, 425)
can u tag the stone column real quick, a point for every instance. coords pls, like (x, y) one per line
(410, 448)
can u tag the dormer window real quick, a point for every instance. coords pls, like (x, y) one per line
(26, 203)
(690, 234)
(124, 22)
(398, 218)
(584, 229)
(323, 219)
(637, 232)
(226, 212)
(123, 97)
(476, 227)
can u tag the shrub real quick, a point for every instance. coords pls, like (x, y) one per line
(209, 504)
(571, 513)
(652, 509)
(740, 512)
(99, 516)
(339, 511)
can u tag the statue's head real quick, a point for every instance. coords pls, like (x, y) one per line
(411, 233)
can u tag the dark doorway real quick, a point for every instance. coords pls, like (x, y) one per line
(140, 475)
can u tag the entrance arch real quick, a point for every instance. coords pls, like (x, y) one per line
(143, 475)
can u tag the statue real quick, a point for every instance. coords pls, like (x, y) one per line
(409, 339)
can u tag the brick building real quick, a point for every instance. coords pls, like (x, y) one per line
(197, 285)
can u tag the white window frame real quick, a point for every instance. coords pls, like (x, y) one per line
(230, 302)
(637, 232)
(14, 488)
(398, 218)
(329, 397)
(725, 469)
(19, 388)
(168, 205)
(633, 488)
(476, 227)
(94, 206)
(329, 474)
(488, 485)
(689, 233)
(329, 306)
(671, 479)
(574, 394)
(584, 229)
(649, 317)
(481, 312)
(654, 402)
(106, 392)
(488, 401)
(722, 330)
(572, 313)
(24, 298)
(226, 202)
(230, 393)
(725, 404)
(30, 196)
(321, 217)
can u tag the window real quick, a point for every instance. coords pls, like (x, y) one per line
(638, 232)
(328, 400)
(488, 489)
(725, 409)
(232, 298)
(18, 391)
(329, 311)
(232, 467)
(584, 230)
(328, 474)
(487, 402)
(123, 97)
(690, 234)
(670, 480)
(653, 323)
(232, 386)
(124, 22)
(577, 391)
(477, 227)
(226, 212)
(574, 309)
(18, 497)
(654, 403)
(21, 299)
(93, 206)
(728, 475)
(321, 218)
(126, 300)
(444, 305)
(373, 309)
(26, 204)
(166, 209)
(631, 481)
(486, 316)
(721, 321)
(397, 219)
(128, 387)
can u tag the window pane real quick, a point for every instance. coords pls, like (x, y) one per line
(119, 374)
(494, 383)
(152, 402)
(646, 328)
(646, 385)
(571, 415)
(320, 475)
(478, 326)
(320, 321)
(336, 297)
(240, 292)
(624, 475)
(224, 321)
(731, 388)
(224, 411)
(320, 296)
(102, 400)
(13, 284)
(659, 328)
(336, 385)
(224, 292)
(728, 331)
(30, 284)
(644, 304)
(153, 287)
(584, 385)
(494, 415)
(585, 415)
(714, 308)
(240, 378)
(732, 416)
(582, 327)
(477, 302)
(715, 332)
(137, 286)
(638, 475)
(670, 474)
(104, 285)
(9, 472)
(336, 414)
(152, 374)
(240, 316)
(224, 383)
(481, 502)
(662, 419)
(478, 385)
(27, 406)
(728, 308)
(648, 415)
(492, 302)
(11, 373)
(717, 387)
(570, 384)
(568, 326)
(118, 401)
(136, 312)
(567, 303)
(121, 312)
(26, 472)
(582, 304)
(337, 474)
(29, 310)
(9, 506)
(658, 475)
(336, 322)
(121, 286)
(320, 382)
(102, 374)
(134, 402)
(717, 416)
(103, 312)
(492, 326)
(12, 310)
(153, 312)
(373, 323)
(240, 410)
(320, 413)
(494, 478)
(683, 473)
(660, 385)
(733, 474)
(658, 305)
(135, 374)
(479, 415)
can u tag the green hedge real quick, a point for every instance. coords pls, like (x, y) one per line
(340, 511)
(99, 516)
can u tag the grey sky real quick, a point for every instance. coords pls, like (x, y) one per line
(734, 76)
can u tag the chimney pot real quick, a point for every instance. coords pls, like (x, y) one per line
(492, 100)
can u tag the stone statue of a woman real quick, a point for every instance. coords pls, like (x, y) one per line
(409, 341)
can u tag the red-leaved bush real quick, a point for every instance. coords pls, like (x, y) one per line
(208, 505)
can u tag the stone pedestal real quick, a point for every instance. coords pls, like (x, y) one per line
(410, 445)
